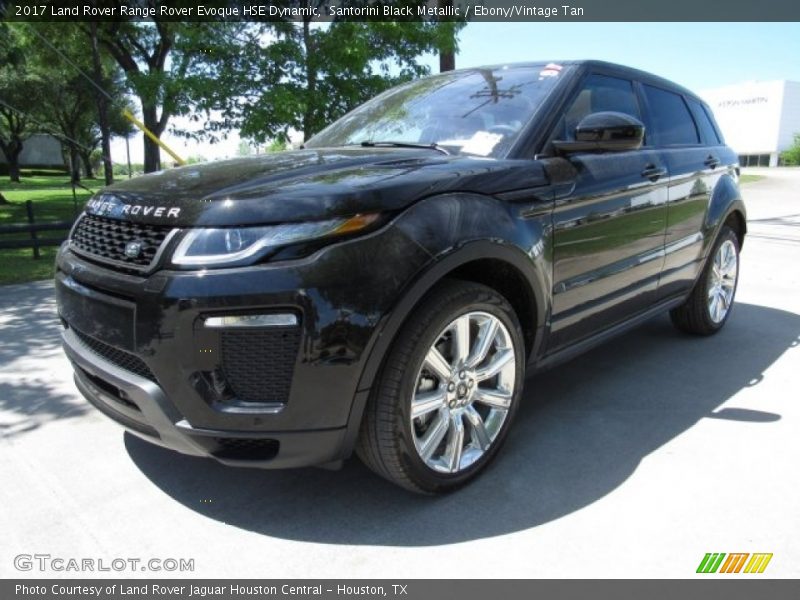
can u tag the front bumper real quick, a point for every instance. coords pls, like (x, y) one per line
(141, 407)
(143, 357)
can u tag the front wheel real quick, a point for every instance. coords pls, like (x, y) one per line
(709, 305)
(447, 392)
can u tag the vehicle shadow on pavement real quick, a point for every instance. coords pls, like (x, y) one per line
(581, 432)
(30, 335)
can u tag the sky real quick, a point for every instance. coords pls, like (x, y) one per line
(699, 56)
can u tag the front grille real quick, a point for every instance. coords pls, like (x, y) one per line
(258, 365)
(105, 239)
(121, 358)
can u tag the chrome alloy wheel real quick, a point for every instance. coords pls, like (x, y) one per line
(722, 281)
(463, 392)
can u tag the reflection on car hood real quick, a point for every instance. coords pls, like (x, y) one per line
(306, 184)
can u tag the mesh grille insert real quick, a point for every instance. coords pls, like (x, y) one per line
(258, 365)
(105, 239)
(121, 358)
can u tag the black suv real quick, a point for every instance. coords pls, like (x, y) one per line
(386, 288)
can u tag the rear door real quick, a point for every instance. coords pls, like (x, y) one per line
(687, 140)
(609, 234)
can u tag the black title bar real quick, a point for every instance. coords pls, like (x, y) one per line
(403, 10)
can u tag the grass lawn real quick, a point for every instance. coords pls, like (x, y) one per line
(750, 178)
(52, 201)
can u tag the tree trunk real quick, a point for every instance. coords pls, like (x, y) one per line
(152, 152)
(311, 81)
(12, 151)
(74, 164)
(102, 112)
(447, 61)
(13, 170)
(447, 58)
(88, 170)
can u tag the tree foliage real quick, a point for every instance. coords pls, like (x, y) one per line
(176, 69)
(18, 85)
(791, 156)
(68, 106)
(307, 76)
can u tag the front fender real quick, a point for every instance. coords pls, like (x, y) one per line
(456, 230)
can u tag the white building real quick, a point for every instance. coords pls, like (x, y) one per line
(757, 118)
(39, 150)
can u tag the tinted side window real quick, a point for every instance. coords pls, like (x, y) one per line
(708, 134)
(600, 93)
(672, 123)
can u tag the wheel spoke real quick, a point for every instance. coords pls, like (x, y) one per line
(724, 305)
(434, 436)
(486, 336)
(461, 336)
(496, 399)
(715, 308)
(426, 402)
(455, 444)
(498, 361)
(437, 363)
(480, 435)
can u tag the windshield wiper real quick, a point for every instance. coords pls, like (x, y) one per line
(389, 144)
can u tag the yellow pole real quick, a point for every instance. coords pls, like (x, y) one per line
(127, 114)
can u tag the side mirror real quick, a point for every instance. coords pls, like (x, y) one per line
(604, 132)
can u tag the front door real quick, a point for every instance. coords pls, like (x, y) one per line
(608, 235)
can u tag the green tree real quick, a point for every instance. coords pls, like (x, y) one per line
(70, 105)
(791, 156)
(312, 74)
(178, 68)
(17, 86)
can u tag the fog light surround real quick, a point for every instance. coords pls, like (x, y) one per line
(267, 320)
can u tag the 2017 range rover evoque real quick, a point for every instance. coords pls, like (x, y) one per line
(386, 288)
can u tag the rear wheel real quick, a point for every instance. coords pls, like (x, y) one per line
(448, 391)
(710, 303)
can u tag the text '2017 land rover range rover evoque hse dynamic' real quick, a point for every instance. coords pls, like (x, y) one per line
(385, 289)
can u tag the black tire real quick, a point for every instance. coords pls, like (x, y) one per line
(387, 437)
(695, 315)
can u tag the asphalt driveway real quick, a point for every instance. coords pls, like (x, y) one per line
(631, 461)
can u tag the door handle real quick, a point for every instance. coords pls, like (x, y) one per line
(711, 161)
(652, 172)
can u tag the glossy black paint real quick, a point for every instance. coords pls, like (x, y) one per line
(583, 245)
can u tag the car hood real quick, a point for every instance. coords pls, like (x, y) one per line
(306, 185)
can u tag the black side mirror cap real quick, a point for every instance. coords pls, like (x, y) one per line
(604, 132)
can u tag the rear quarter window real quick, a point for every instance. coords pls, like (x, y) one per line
(708, 135)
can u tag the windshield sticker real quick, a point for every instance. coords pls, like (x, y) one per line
(482, 143)
(550, 70)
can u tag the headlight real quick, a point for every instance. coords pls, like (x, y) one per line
(207, 247)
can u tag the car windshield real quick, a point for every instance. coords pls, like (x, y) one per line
(479, 112)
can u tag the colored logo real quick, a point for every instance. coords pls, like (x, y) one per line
(719, 562)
